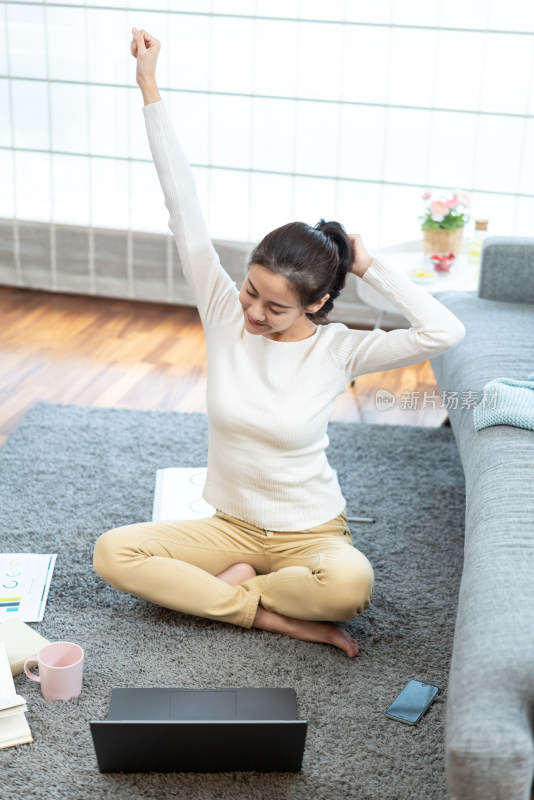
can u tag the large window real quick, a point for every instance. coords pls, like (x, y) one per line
(286, 110)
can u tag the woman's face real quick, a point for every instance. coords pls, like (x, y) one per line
(271, 307)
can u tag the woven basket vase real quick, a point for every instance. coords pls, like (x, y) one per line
(441, 241)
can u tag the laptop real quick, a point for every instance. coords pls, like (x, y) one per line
(200, 730)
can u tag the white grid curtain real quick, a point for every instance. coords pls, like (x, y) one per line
(287, 109)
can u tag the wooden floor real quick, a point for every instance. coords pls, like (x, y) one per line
(94, 351)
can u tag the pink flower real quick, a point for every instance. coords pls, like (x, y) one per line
(463, 199)
(452, 203)
(426, 195)
(438, 210)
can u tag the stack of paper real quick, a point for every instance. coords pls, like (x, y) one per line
(14, 728)
(21, 642)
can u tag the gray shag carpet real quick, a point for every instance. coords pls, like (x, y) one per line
(68, 473)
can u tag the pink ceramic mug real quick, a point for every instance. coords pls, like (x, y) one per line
(60, 670)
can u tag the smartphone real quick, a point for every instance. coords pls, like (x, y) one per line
(410, 705)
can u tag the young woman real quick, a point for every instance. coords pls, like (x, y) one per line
(278, 553)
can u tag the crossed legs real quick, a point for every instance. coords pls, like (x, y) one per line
(221, 568)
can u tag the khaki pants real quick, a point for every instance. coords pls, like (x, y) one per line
(315, 574)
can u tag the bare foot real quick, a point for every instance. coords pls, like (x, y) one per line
(237, 573)
(307, 630)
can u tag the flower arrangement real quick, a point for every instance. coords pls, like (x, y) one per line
(444, 213)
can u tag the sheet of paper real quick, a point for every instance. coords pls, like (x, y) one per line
(178, 494)
(24, 584)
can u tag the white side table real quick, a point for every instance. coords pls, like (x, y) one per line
(410, 258)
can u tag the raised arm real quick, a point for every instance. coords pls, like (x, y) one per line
(434, 328)
(216, 294)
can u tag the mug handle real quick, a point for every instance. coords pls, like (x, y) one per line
(30, 675)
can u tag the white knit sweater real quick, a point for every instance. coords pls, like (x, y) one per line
(269, 402)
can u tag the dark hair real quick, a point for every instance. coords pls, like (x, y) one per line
(315, 260)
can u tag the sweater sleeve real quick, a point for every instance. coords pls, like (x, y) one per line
(433, 330)
(216, 294)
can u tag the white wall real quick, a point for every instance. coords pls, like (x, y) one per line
(283, 113)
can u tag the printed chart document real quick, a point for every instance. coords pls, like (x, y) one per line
(24, 584)
(178, 494)
(14, 728)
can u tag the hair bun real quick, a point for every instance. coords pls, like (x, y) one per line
(329, 229)
(336, 232)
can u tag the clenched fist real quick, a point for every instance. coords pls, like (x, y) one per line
(145, 48)
(362, 260)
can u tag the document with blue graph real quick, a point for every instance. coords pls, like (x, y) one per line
(24, 583)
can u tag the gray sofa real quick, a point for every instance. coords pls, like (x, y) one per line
(490, 703)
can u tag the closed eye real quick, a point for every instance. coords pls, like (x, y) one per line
(272, 311)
